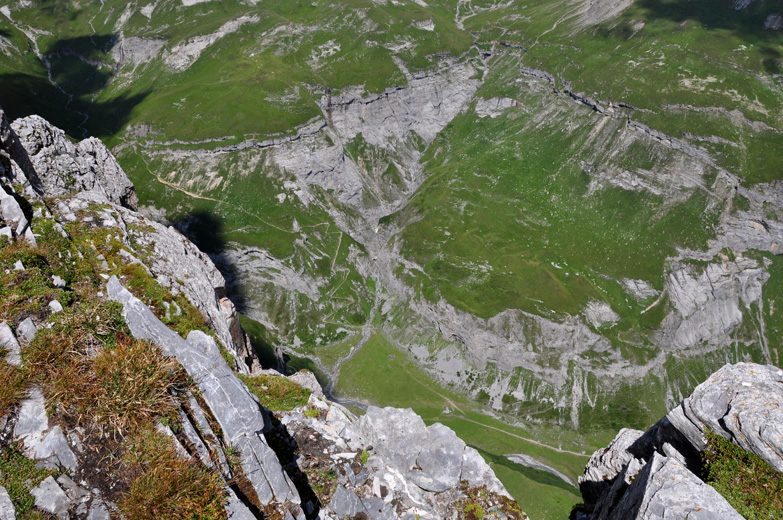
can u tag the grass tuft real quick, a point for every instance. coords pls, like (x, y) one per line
(747, 482)
(94, 371)
(13, 384)
(276, 393)
(162, 485)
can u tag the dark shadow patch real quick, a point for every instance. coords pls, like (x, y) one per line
(746, 23)
(205, 228)
(81, 69)
(771, 60)
(288, 451)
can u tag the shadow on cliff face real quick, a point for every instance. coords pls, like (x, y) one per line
(205, 229)
(746, 23)
(81, 69)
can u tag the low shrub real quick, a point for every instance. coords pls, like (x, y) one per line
(162, 485)
(745, 480)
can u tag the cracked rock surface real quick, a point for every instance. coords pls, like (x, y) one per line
(651, 475)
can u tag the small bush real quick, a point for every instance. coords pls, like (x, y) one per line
(747, 482)
(162, 485)
(276, 393)
(18, 475)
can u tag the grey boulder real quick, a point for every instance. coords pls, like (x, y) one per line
(743, 402)
(27, 330)
(8, 342)
(63, 168)
(667, 490)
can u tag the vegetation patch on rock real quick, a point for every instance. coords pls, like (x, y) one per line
(164, 485)
(276, 393)
(748, 483)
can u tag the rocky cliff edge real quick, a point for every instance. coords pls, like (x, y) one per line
(127, 376)
(654, 474)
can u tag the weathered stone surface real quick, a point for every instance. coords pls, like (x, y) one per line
(410, 469)
(21, 170)
(51, 498)
(55, 306)
(651, 475)
(192, 436)
(26, 330)
(606, 464)
(32, 421)
(494, 107)
(64, 168)
(431, 456)
(743, 402)
(54, 450)
(71, 488)
(98, 511)
(666, 490)
(306, 379)
(346, 504)
(9, 343)
(11, 212)
(209, 436)
(238, 412)
(235, 508)
(7, 509)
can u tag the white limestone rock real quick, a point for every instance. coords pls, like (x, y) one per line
(8, 342)
(7, 509)
(51, 498)
(62, 168)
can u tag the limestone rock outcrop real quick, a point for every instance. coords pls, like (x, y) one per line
(652, 475)
(41, 160)
(62, 167)
(389, 465)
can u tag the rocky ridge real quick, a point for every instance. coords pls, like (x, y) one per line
(317, 461)
(653, 474)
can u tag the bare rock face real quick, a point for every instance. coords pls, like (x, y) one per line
(389, 465)
(743, 402)
(666, 489)
(62, 168)
(651, 475)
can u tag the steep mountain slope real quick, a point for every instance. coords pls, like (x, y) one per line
(129, 390)
(566, 210)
